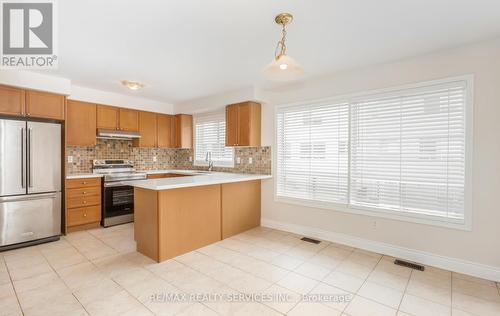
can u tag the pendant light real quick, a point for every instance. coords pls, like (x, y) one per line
(283, 67)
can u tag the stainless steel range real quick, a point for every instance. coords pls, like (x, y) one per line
(118, 196)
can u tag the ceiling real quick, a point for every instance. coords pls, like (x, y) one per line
(186, 49)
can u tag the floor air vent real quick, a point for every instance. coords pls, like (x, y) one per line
(408, 264)
(314, 241)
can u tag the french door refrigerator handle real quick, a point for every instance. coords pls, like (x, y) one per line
(30, 156)
(29, 197)
(23, 160)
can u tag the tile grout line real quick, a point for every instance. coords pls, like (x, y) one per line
(12, 284)
(404, 292)
(366, 280)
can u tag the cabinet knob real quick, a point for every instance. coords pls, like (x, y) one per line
(84, 202)
(84, 192)
(84, 214)
(84, 182)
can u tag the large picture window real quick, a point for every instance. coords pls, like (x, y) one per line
(399, 153)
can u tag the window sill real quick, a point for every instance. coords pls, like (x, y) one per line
(464, 225)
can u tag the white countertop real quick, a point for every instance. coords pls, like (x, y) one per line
(83, 176)
(175, 171)
(195, 180)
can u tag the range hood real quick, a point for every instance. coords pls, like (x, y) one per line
(117, 134)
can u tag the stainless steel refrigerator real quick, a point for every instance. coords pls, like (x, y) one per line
(30, 182)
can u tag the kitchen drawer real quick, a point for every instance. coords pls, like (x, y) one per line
(83, 183)
(83, 201)
(83, 215)
(83, 192)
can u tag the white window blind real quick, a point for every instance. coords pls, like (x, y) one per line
(210, 136)
(408, 151)
(401, 152)
(312, 152)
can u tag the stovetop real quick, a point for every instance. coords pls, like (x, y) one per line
(116, 170)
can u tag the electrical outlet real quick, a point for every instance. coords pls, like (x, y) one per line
(154, 159)
(190, 159)
(238, 160)
(250, 160)
(70, 159)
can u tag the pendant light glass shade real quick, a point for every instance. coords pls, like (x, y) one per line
(283, 68)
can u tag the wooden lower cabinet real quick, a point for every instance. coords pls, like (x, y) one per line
(240, 207)
(83, 204)
(171, 222)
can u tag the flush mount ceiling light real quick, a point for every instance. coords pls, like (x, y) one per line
(132, 85)
(283, 67)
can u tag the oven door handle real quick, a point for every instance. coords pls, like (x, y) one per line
(115, 184)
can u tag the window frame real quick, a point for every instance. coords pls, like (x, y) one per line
(465, 224)
(203, 163)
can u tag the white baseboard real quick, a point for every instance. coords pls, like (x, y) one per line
(457, 265)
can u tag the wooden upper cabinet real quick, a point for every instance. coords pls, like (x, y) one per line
(166, 131)
(147, 129)
(107, 117)
(129, 120)
(80, 123)
(183, 127)
(243, 125)
(45, 105)
(11, 101)
(232, 125)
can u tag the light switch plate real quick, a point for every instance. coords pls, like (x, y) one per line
(250, 160)
(70, 159)
(238, 160)
(154, 159)
(190, 159)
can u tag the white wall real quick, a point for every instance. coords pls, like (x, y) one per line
(35, 81)
(43, 82)
(216, 101)
(482, 244)
(116, 99)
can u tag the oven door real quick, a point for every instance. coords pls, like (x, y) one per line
(118, 200)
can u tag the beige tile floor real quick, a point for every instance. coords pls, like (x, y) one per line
(98, 272)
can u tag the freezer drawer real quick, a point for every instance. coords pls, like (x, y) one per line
(29, 217)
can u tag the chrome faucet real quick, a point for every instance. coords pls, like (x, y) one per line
(208, 159)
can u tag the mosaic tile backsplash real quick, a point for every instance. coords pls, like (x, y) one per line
(165, 158)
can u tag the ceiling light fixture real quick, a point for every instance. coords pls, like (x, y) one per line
(283, 67)
(132, 85)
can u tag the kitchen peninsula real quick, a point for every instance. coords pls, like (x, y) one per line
(177, 214)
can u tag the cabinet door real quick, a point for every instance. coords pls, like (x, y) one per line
(244, 126)
(129, 120)
(184, 131)
(165, 135)
(80, 123)
(11, 101)
(232, 125)
(107, 117)
(45, 105)
(147, 129)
